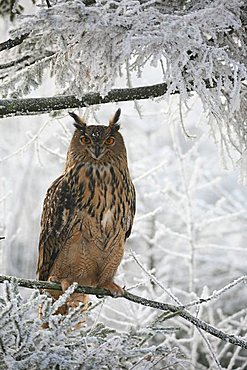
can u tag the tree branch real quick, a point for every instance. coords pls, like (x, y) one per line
(9, 44)
(28, 106)
(177, 310)
(14, 62)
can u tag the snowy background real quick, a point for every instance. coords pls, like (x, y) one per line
(189, 235)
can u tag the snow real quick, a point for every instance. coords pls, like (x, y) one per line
(189, 235)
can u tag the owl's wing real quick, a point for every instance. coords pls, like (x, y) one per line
(132, 207)
(57, 220)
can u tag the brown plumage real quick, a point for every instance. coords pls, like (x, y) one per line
(88, 212)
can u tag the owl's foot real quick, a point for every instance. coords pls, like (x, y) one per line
(65, 284)
(115, 290)
(53, 279)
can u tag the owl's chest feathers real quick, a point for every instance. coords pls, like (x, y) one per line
(100, 193)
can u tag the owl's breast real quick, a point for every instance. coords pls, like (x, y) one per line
(107, 219)
(104, 198)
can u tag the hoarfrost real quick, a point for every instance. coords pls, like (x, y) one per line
(24, 344)
(191, 216)
(201, 45)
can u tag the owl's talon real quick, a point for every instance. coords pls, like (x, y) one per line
(115, 290)
(65, 284)
(53, 279)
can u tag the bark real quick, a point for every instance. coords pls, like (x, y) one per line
(29, 106)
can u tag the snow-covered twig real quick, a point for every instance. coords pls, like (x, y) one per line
(178, 310)
(150, 172)
(218, 293)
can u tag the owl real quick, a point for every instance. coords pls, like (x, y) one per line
(88, 212)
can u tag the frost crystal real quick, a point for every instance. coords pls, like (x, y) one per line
(201, 46)
(25, 345)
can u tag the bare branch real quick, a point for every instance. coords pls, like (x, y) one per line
(28, 106)
(177, 310)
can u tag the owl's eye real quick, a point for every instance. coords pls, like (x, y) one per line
(110, 141)
(85, 140)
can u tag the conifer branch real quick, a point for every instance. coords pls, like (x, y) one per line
(176, 310)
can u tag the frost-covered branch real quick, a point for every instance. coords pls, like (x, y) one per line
(85, 47)
(24, 344)
(177, 310)
(11, 43)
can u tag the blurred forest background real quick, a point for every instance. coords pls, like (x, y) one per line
(189, 235)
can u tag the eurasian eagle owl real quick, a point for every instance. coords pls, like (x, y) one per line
(88, 211)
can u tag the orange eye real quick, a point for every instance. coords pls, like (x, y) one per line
(85, 140)
(110, 141)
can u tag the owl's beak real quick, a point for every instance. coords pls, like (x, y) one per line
(97, 151)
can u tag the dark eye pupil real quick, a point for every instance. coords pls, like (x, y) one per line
(110, 140)
(85, 140)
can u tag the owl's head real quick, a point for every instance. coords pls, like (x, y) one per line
(98, 142)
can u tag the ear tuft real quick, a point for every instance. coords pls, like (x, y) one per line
(115, 118)
(80, 124)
